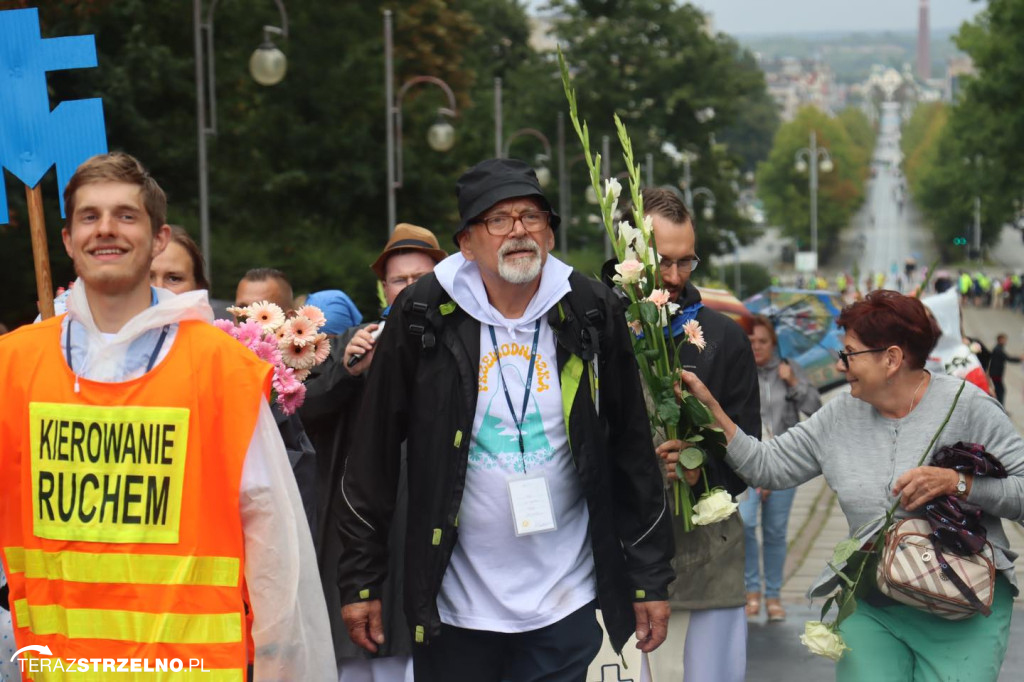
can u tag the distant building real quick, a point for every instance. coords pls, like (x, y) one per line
(542, 34)
(794, 83)
(957, 69)
(924, 61)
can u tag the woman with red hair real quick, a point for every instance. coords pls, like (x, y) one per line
(867, 445)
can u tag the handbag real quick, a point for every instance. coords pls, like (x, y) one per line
(914, 571)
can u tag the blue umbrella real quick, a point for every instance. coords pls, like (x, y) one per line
(805, 322)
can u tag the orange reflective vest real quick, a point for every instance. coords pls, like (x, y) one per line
(120, 528)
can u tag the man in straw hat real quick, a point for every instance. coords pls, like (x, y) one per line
(534, 492)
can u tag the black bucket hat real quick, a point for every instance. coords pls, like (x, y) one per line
(494, 180)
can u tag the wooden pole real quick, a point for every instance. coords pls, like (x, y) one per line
(40, 253)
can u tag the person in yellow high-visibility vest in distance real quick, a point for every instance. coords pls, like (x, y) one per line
(149, 484)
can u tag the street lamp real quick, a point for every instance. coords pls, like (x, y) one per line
(267, 66)
(687, 158)
(709, 205)
(542, 171)
(814, 157)
(978, 163)
(440, 136)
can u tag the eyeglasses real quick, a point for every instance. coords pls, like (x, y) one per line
(684, 264)
(844, 357)
(501, 225)
(403, 281)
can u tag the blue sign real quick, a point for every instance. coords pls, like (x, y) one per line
(32, 137)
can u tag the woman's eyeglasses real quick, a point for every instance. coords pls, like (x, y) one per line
(844, 357)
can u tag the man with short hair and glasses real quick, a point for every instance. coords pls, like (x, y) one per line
(711, 588)
(535, 495)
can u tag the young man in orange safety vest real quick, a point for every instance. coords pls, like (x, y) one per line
(150, 489)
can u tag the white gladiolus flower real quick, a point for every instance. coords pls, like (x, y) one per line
(613, 188)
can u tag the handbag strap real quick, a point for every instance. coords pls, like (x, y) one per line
(954, 578)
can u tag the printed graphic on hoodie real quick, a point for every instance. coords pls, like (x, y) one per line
(496, 442)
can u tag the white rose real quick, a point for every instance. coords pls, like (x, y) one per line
(629, 272)
(822, 640)
(718, 506)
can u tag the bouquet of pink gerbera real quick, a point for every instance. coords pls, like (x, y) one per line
(293, 345)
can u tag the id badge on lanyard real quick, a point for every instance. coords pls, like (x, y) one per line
(532, 511)
(529, 496)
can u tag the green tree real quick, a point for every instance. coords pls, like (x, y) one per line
(784, 189)
(972, 149)
(654, 63)
(861, 133)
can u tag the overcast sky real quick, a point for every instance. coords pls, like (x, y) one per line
(791, 16)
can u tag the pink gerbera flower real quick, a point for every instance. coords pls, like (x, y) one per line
(250, 333)
(313, 314)
(694, 334)
(268, 315)
(323, 347)
(290, 402)
(268, 352)
(226, 326)
(301, 374)
(298, 356)
(299, 330)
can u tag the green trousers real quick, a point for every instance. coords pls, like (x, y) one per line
(903, 644)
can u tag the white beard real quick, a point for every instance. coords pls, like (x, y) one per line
(520, 270)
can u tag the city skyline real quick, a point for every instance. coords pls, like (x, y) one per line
(801, 16)
(746, 17)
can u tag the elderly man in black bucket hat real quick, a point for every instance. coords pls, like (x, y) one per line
(534, 493)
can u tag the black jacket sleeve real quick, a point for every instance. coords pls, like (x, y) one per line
(369, 482)
(642, 515)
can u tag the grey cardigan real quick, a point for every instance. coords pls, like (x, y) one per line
(861, 454)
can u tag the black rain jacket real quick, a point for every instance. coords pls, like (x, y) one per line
(423, 389)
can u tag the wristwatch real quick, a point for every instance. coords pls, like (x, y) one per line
(961, 485)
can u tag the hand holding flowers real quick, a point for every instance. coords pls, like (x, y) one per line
(292, 345)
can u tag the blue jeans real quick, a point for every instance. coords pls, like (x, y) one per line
(774, 519)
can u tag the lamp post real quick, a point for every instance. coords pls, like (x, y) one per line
(978, 163)
(687, 157)
(498, 118)
(543, 174)
(440, 136)
(814, 157)
(267, 66)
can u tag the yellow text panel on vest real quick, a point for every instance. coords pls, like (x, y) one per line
(107, 473)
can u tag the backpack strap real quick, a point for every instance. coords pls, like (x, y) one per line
(579, 317)
(425, 308)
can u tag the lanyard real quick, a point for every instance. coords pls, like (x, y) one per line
(518, 420)
(152, 357)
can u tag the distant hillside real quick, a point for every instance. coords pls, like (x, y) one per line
(851, 55)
